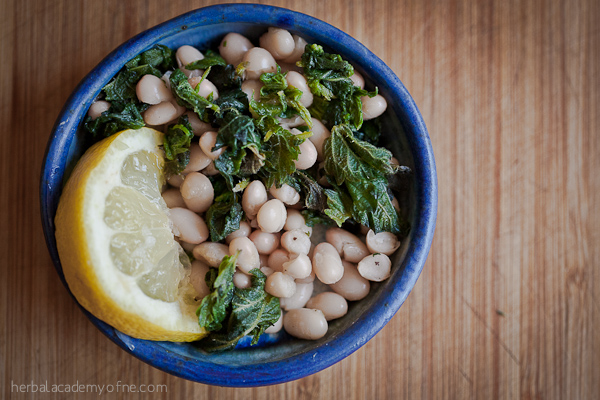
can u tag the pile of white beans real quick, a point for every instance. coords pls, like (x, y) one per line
(274, 236)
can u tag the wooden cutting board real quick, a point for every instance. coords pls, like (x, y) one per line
(508, 303)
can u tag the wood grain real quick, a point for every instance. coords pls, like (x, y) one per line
(508, 303)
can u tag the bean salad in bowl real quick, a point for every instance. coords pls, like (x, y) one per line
(243, 196)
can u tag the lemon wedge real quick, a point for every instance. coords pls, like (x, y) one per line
(118, 253)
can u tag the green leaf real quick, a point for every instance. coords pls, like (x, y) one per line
(155, 61)
(252, 312)
(213, 308)
(339, 206)
(177, 141)
(372, 205)
(225, 214)
(281, 149)
(337, 101)
(210, 59)
(187, 97)
(313, 194)
(347, 158)
(313, 217)
(278, 99)
(120, 116)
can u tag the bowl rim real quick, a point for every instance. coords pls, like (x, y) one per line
(263, 373)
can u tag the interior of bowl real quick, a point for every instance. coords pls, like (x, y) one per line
(279, 357)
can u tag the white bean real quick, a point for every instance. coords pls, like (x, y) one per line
(198, 126)
(320, 133)
(298, 81)
(198, 160)
(305, 323)
(243, 230)
(285, 193)
(327, 263)
(298, 267)
(357, 79)
(375, 267)
(278, 42)
(382, 242)
(300, 297)
(280, 285)
(271, 216)
(97, 108)
(176, 180)
(188, 226)
(352, 286)
(277, 258)
(373, 107)
(258, 62)
(248, 258)
(287, 67)
(241, 280)
(264, 260)
(265, 270)
(187, 54)
(206, 87)
(173, 198)
(252, 89)
(296, 241)
(211, 253)
(255, 195)
(310, 278)
(207, 143)
(165, 78)
(295, 220)
(210, 170)
(152, 90)
(299, 46)
(197, 192)
(197, 278)
(179, 110)
(233, 47)
(187, 246)
(277, 326)
(331, 304)
(265, 242)
(308, 155)
(160, 114)
(350, 247)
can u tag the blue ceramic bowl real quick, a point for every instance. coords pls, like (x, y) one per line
(279, 358)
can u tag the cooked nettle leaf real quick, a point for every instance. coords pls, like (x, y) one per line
(313, 194)
(121, 115)
(339, 205)
(210, 59)
(312, 218)
(225, 78)
(372, 205)
(239, 136)
(159, 56)
(176, 144)
(278, 99)
(155, 61)
(370, 131)
(281, 149)
(213, 309)
(225, 213)
(347, 158)
(337, 100)
(252, 311)
(188, 97)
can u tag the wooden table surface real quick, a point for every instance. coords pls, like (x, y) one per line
(508, 304)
